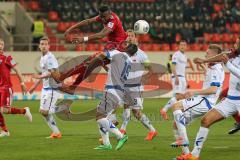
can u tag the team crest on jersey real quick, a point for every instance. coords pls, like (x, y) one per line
(13, 62)
(110, 24)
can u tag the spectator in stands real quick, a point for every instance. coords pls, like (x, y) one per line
(197, 31)
(228, 13)
(187, 32)
(236, 12)
(219, 23)
(37, 32)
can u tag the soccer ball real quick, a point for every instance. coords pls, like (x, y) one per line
(141, 27)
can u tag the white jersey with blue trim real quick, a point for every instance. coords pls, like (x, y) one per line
(214, 77)
(137, 69)
(180, 60)
(234, 81)
(119, 67)
(47, 62)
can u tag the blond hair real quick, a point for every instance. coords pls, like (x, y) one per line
(216, 48)
(44, 38)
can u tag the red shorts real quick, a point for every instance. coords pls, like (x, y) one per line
(6, 96)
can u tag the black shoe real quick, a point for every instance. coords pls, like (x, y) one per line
(235, 128)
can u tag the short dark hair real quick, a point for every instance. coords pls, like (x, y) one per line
(103, 9)
(44, 38)
(131, 49)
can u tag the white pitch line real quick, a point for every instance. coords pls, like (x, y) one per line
(221, 147)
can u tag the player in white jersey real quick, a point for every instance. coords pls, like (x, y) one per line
(227, 107)
(50, 93)
(134, 87)
(120, 65)
(179, 83)
(198, 102)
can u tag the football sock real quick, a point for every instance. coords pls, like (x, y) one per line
(104, 134)
(2, 123)
(52, 123)
(17, 111)
(109, 126)
(169, 104)
(145, 121)
(200, 139)
(125, 118)
(180, 122)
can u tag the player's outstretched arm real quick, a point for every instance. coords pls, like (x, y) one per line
(217, 58)
(103, 33)
(19, 74)
(207, 91)
(81, 23)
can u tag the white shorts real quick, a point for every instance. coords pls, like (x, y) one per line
(181, 87)
(133, 97)
(194, 107)
(228, 107)
(109, 103)
(49, 98)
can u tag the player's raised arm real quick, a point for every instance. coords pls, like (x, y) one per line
(19, 74)
(81, 23)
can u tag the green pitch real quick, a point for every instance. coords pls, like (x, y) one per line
(27, 141)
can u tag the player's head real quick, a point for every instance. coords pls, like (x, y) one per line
(131, 37)
(104, 13)
(182, 45)
(44, 44)
(170, 57)
(131, 49)
(237, 43)
(1, 44)
(213, 50)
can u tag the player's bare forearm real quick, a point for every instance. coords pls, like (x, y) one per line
(81, 23)
(174, 70)
(19, 74)
(100, 34)
(207, 91)
(35, 85)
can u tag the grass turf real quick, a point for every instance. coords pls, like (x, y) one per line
(27, 140)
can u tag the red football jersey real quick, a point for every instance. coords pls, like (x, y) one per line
(6, 64)
(118, 34)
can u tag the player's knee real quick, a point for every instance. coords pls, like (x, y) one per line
(176, 106)
(136, 113)
(44, 113)
(205, 122)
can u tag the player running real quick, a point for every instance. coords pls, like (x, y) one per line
(50, 94)
(179, 83)
(135, 88)
(113, 29)
(198, 102)
(114, 93)
(227, 107)
(6, 93)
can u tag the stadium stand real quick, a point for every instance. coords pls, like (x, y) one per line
(198, 21)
